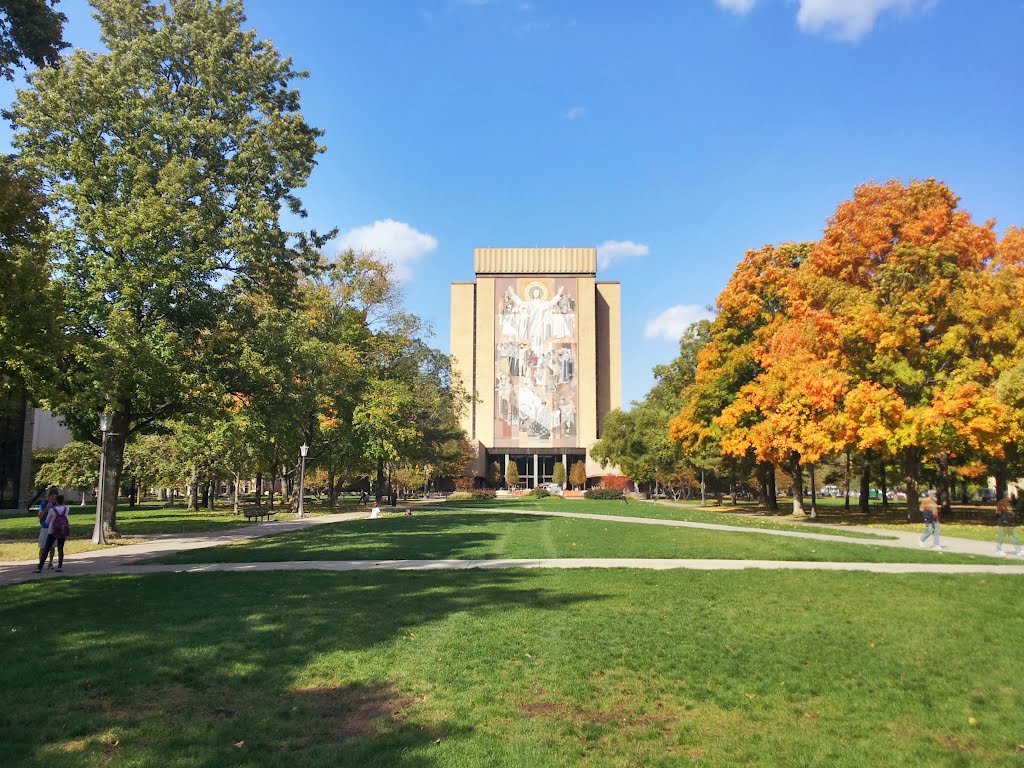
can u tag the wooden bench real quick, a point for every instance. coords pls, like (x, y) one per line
(258, 514)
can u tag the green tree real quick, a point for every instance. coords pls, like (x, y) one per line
(578, 475)
(30, 30)
(30, 307)
(512, 475)
(495, 477)
(558, 474)
(170, 160)
(76, 465)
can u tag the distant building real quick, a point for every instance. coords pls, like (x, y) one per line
(537, 338)
(22, 431)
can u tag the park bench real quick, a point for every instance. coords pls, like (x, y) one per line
(258, 514)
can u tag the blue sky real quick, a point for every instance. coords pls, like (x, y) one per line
(677, 133)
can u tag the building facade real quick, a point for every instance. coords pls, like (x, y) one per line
(23, 430)
(537, 338)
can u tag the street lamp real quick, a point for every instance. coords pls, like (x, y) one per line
(97, 532)
(303, 450)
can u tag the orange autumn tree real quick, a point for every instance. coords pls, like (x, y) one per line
(753, 304)
(790, 413)
(1007, 271)
(906, 277)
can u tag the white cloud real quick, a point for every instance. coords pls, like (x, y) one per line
(394, 241)
(613, 250)
(671, 323)
(846, 20)
(574, 113)
(849, 19)
(739, 7)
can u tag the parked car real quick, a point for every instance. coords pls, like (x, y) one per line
(552, 487)
(831, 491)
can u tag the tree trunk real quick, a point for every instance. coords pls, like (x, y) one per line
(1001, 479)
(912, 474)
(945, 494)
(113, 465)
(762, 484)
(846, 486)
(865, 486)
(83, 497)
(884, 482)
(798, 485)
(332, 492)
(380, 480)
(193, 493)
(259, 488)
(814, 496)
(131, 495)
(273, 485)
(206, 495)
(238, 480)
(773, 494)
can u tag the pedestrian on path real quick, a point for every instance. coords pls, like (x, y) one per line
(59, 530)
(1004, 519)
(930, 509)
(44, 510)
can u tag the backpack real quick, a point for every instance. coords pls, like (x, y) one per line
(60, 528)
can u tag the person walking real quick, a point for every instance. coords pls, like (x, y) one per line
(59, 530)
(44, 510)
(930, 509)
(1004, 519)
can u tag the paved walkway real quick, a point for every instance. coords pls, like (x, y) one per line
(125, 559)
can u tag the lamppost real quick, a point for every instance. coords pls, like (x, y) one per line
(97, 531)
(655, 485)
(303, 450)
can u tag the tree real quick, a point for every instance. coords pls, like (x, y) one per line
(904, 278)
(578, 475)
(495, 477)
(30, 30)
(76, 465)
(30, 307)
(512, 475)
(170, 161)
(558, 474)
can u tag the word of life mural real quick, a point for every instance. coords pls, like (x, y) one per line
(535, 362)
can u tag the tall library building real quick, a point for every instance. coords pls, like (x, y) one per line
(537, 339)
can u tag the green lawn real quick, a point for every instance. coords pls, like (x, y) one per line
(663, 510)
(512, 668)
(490, 535)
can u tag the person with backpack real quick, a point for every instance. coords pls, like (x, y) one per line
(1004, 519)
(44, 510)
(58, 531)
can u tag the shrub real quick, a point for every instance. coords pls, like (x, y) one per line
(540, 493)
(607, 494)
(614, 482)
(483, 493)
(460, 496)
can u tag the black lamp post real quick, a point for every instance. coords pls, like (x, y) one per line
(303, 450)
(97, 531)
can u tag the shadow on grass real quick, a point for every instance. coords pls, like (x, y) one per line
(231, 669)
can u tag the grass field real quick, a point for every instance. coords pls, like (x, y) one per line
(522, 668)
(665, 510)
(490, 535)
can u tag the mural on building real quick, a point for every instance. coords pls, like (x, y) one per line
(535, 362)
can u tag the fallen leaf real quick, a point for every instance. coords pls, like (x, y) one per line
(437, 741)
(117, 743)
(871, 645)
(240, 743)
(749, 695)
